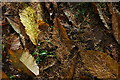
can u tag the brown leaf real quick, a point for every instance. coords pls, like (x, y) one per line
(115, 22)
(100, 64)
(62, 40)
(14, 25)
(13, 42)
(63, 33)
(43, 26)
(72, 68)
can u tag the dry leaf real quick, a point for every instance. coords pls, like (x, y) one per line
(25, 60)
(17, 28)
(29, 61)
(29, 20)
(63, 32)
(14, 25)
(116, 26)
(39, 12)
(115, 22)
(100, 64)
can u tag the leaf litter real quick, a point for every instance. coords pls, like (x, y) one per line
(72, 44)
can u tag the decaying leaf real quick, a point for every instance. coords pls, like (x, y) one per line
(24, 61)
(29, 20)
(100, 64)
(115, 22)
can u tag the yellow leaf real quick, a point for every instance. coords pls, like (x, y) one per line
(29, 20)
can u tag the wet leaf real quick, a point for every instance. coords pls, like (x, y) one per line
(29, 20)
(25, 60)
(100, 64)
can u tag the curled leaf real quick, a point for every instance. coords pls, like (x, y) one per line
(29, 20)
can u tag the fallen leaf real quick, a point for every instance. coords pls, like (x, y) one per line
(63, 32)
(115, 22)
(25, 60)
(14, 25)
(18, 28)
(29, 61)
(60, 38)
(39, 11)
(28, 18)
(100, 64)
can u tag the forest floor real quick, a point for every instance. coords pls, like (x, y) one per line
(60, 41)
